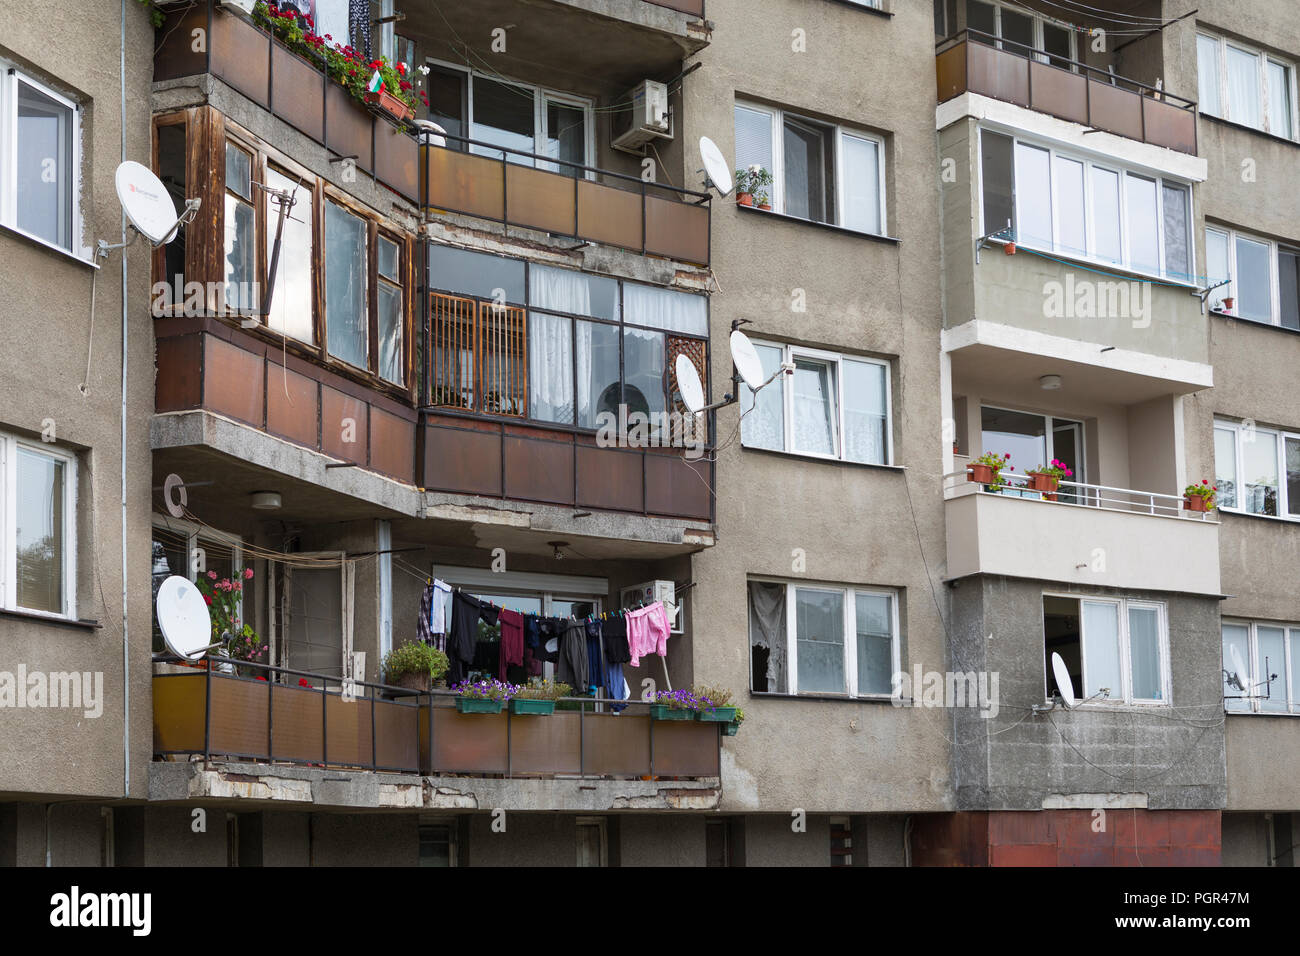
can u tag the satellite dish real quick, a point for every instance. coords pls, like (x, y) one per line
(716, 167)
(146, 203)
(688, 383)
(434, 135)
(1064, 685)
(745, 357)
(183, 618)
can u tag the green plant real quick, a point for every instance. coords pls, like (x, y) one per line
(996, 463)
(752, 178)
(487, 690)
(543, 688)
(415, 658)
(1203, 490)
(156, 16)
(761, 198)
(711, 697)
(679, 700)
(740, 717)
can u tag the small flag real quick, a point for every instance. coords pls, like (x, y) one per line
(376, 84)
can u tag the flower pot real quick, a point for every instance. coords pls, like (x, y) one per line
(1196, 503)
(391, 104)
(745, 199)
(719, 715)
(477, 705)
(767, 207)
(1228, 302)
(729, 729)
(1044, 484)
(979, 473)
(411, 681)
(523, 705)
(664, 712)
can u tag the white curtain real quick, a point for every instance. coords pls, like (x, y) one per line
(764, 426)
(586, 401)
(665, 309)
(561, 289)
(1243, 87)
(864, 412)
(550, 367)
(814, 408)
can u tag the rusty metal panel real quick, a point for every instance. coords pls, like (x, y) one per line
(342, 417)
(609, 215)
(1115, 110)
(1059, 92)
(177, 385)
(538, 470)
(996, 73)
(677, 229)
(347, 725)
(462, 460)
(178, 708)
(291, 406)
(240, 55)
(540, 199)
(298, 92)
(397, 160)
(348, 127)
(618, 744)
(174, 54)
(546, 744)
(677, 487)
(950, 72)
(396, 734)
(297, 732)
(610, 478)
(1169, 126)
(462, 182)
(238, 717)
(686, 748)
(468, 743)
(392, 445)
(232, 381)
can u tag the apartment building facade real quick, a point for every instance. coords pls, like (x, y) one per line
(999, 244)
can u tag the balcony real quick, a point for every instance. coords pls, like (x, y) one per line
(969, 62)
(1090, 535)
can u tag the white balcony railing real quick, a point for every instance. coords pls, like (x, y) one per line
(1082, 494)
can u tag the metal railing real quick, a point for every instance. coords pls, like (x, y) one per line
(1083, 494)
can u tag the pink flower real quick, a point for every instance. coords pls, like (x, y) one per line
(212, 575)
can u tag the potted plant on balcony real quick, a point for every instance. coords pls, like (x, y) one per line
(1047, 479)
(538, 696)
(675, 705)
(715, 704)
(1199, 497)
(730, 729)
(762, 200)
(484, 696)
(987, 469)
(415, 666)
(749, 181)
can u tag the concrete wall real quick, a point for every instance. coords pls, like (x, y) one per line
(1257, 746)
(1245, 839)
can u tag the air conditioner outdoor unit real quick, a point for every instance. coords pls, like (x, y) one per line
(653, 591)
(642, 115)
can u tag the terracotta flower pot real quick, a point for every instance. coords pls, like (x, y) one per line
(1196, 503)
(766, 206)
(745, 199)
(1041, 482)
(979, 473)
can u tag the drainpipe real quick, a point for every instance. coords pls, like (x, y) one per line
(126, 643)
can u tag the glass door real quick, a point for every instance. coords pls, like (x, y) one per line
(1067, 446)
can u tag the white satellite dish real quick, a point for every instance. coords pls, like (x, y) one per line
(745, 357)
(688, 383)
(146, 203)
(715, 166)
(183, 618)
(1064, 685)
(434, 135)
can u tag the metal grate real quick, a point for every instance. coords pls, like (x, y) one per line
(478, 355)
(695, 427)
(503, 359)
(452, 348)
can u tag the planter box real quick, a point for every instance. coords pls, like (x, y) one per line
(664, 712)
(729, 730)
(418, 682)
(520, 705)
(474, 705)
(1047, 484)
(1196, 503)
(982, 474)
(719, 715)
(390, 104)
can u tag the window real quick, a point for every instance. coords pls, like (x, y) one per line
(1264, 277)
(38, 496)
(1245, 86)
(291, 303)
(40, 162)
(1032, 440)
(241, 231)
(833, 406)
(391, 309)
(1257, 470)
(1115, 650)
(1075, 207)
(592, 844)
(820, 171)
(1019, 31)
(438, 844)
(1260, 674)
(815, 639)
(182, 548)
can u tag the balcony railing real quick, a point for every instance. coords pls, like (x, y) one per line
(262, 714)
(975, 62)
(1084, 494)
(511, 186)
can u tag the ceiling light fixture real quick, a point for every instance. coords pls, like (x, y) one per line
(1050, 383)
(266, 500)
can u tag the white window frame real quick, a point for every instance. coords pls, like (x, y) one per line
(1231, 290)
(1261, 76)
(1242, 433)
(776, 127)
(1040, 55)
(848, 593)
(9, 79)
(1090, 231)
(9, 447)
(1125, 697)
(789, 353)
(1049, 442)
(1255, 663)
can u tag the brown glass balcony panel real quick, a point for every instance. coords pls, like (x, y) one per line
(538, 470)
(462, 460)
(546, 744)
(617, 745)
(174, 52)
(396, 736)
(297, 732)
(178, 712)
(998, 74)
(677, 487)
(349, 128)
(1114, 109)
(397, 160)
(1167, 125)
(686, 749)
(291, 406)
(237, 716)
(392, 445)
(347, 723)
(950, 72)
(461, 182)
(240, 56)
(540, 200)
(609, 215)
(469, 743)
(1059, 92)
(232, 381)
(677, 230)
(343, 424)
(610, 479)
(178, 384)
(298, 92)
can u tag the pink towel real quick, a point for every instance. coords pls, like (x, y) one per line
(647, 631)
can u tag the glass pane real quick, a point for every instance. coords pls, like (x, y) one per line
(550, 368)
(390, 259)
(1144, 653)
(168, 558)
(347, 331)
(1143, 217)
(447, 103)
(1225, 467)
(46, 175)
(1207, 72)
(1105, 215)
(1178, 253)
(861, 184)
(1216, 266)
(1294, 637)
(1279, 99)
(1071, 218)
(1236, 664)
(1271, 660)
(819, 627)
(391, 322)
(807, 172)
(314, 633)
(39, 532)
(753, 138)
(1254, 298)
(644, 362)
(768, 642)
(239, 172)
(764, 425)
(1022, 436)
(1292, 446)
(1017, 32)
(598, 383)
(865, 422)
(503, 115)
(1033, 196)
(1288, 278)
(1259, 459)
(815, 414)
(995, 162)
(665, 309)
(291, 304)
(1243, 87)
(241, 256)
(566, 137)
(475, 273)
(1056, 41)
(875, 629)
(1101, 650)
(566, 290)
(981, 17)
